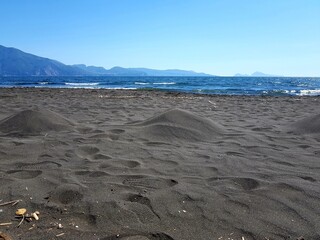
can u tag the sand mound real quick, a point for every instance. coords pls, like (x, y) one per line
(180, 124)
(307, 125)
(35, 122)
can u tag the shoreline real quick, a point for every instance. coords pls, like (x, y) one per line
(134, 164)
(292, 86)
(143, 90)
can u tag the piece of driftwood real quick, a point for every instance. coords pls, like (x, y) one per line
(4, 236)
(14, 202)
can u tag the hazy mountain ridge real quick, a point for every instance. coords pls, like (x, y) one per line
(91, 69)
(14, 62)
(256, 74)
(120, 71)
(169, 72)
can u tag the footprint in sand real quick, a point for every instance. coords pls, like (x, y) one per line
(136, 198)
(99, 156)
(141, 236)
(117, 131)
(93, 174)
(148, 182)
(66, 194)
(246, 184)
(129, 163)
(307, 178)
(39, 165)
(24, 174)
(120, 163)
(85, 151)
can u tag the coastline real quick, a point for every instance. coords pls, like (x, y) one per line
(136, 164)
(259, 86)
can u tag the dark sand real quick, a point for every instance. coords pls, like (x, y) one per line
(153, 165)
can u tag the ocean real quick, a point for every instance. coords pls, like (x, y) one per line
(273, 86)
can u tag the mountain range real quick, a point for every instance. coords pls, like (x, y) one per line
(255, 74)
(14, 62)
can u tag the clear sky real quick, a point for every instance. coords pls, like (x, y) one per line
(221, 37)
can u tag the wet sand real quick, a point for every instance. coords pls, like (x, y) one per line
(154, 165)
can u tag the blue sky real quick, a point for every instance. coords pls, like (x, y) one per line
(220, 37)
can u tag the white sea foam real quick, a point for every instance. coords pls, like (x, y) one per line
(82, 84)
(83, 88)
(314, 92)
(141, 83)
(164, 83)
(43, 83)
(120, 88)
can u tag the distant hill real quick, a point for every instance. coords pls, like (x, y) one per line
(256, 74)
(120, 71)
(92, 70)
(14, 62)
(169, 72)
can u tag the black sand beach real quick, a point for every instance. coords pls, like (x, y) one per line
(155, 165)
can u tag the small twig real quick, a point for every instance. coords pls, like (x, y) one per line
(21, 221)
(14, 202)
(5, 224)
(60, 234)
(32, 227)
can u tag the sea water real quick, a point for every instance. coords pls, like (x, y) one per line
(274, 86)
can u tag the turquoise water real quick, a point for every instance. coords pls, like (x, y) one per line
(279, 86)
